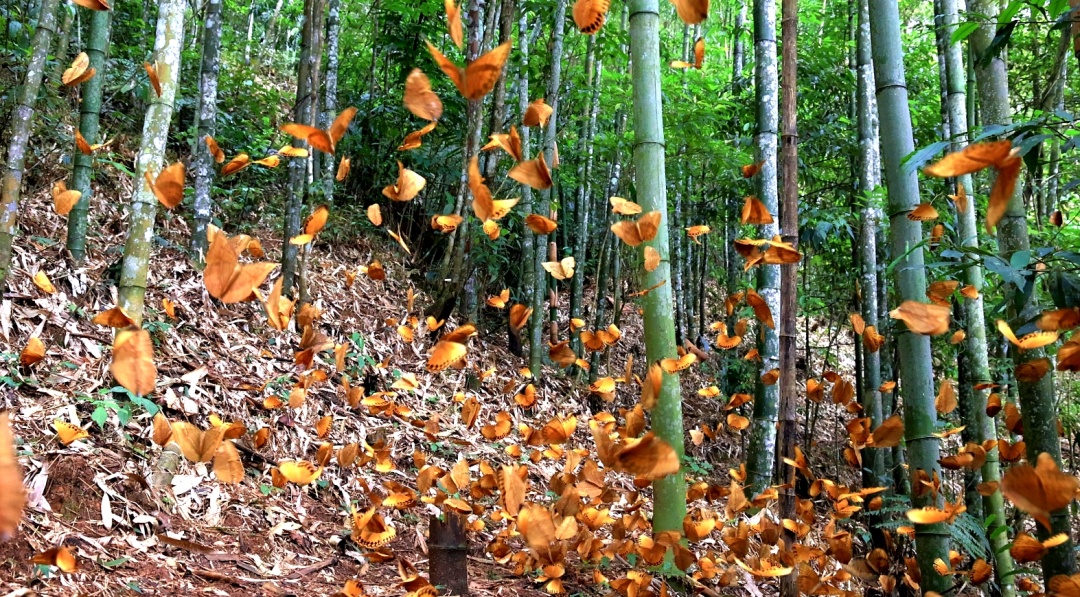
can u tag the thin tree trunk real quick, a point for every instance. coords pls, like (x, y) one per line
(270, 34)
(677, 269)
(89, 114)
(548, 147)
(297, 166)
(63, 40)
(649, 176)
(204, 161)
(975, 358)
(21, 127)
(168, 44)
(458, 242)
(916, 375)
(1036, 398)
(593, 69)
(762, 447)
(330, 102)
(533, 278)
(738, 54)
(250, 32)
(874, 471)
(498, 102)
(789, 279)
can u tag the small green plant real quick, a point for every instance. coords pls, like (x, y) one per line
(117, 400)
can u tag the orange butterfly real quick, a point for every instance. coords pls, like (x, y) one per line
(478, 78)
(419, 97)
(64, 200)
(169, 185)
(324, 141)
(589, 15)
(692, 12)
(537, 114)
(634, 233)
(409, 184)
(79, 72)
(151, 72)
(1000, 155)
(453, 23)
(12, 494)
(226, 279)
(133, 361)
(699, 56)
(534, 173)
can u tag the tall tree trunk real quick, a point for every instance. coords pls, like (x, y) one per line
(1036, 398)
(250, 32)
(330, 100)
(270, 33)
(975, 357)
(650, 178)
(204, 161)
(304, 113)
(89, 114)
(760, 454)
(916, 366)
(168, 44)
(580, 238)
(63, 39)
(548, 147)
(533, 279)
(789, 277)
(870, 219)
(458, 243)
(21, 127)
(498, 103)
(738, 54)
(677, 269)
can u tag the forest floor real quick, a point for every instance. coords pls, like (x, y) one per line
(200, 536)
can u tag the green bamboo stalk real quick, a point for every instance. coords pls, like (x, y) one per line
(22, 123)
(593, 69)
(89, 115)
(760, 454)
(869, 179)
(63, 39)
(916, 366)
(976, 359)
(650, 177)
(168, 44)
(1036, 399)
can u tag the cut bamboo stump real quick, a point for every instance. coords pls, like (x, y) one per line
(448, 550)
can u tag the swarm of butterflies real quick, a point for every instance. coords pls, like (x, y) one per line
(595, 514)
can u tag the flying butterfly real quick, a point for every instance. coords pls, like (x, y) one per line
(168, 187)
(228, 280)
(636, 232)
(324, 141)
(408, 185)
(589, 15)
(79, 72)
(537, 113)
(420, 99)
(478, 78)
(699, 56)
(534, 173)
(999, 155)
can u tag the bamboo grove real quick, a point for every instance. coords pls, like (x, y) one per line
(562, 284)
